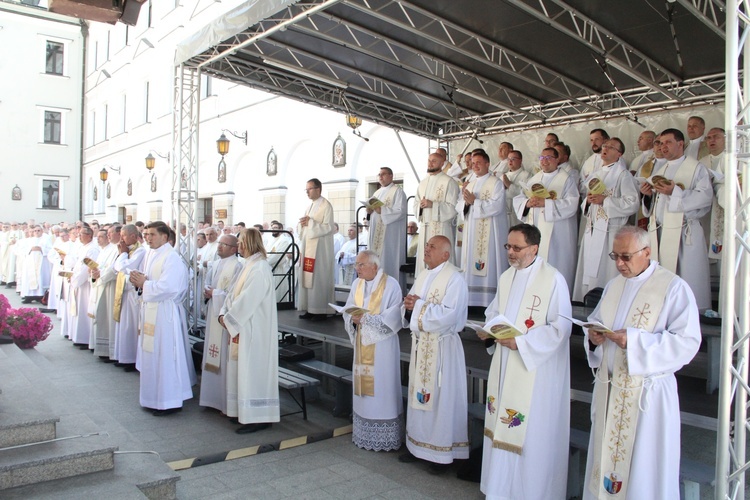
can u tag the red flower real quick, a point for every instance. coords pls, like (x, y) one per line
(529, 323)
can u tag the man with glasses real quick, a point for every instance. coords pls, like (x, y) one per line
(315, 231)
(514, 180)
(550, 202)
(36, 268)
(674, 206)
(220, 276)
(651, 330)
(80, 289)
(127, 301)
(527, 413)
(387, 237)
(611, 199)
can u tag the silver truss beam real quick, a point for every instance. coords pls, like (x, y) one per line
(615, 50)
(709, 12)
(185, 120)
(731, 456)
(463, 41)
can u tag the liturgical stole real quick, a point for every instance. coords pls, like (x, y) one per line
(597, 221)
(617, 399)
(120, 286)
(311, 245)
(364, 355)
(666, 248)
(435, 188)
(214, 344)
(555, 188)
(423, 373)
(234, 343)
(150, 309)
(385, 194)
(508, 407)
(482, 230)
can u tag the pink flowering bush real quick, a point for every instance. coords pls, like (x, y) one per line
(25, 325)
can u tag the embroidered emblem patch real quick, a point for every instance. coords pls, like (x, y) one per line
(490, 407)
(479, 265)
(514, 418)
(423, 396)
(716, 246)
(612, 483)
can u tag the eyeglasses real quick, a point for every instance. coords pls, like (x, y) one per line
(227, 244)
(625, 257)
(546, 157)
(361, 264)
(606, 146)
(516, 248)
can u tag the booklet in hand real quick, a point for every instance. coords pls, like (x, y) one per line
(498, 327)
(372, 203)
(589, 325)
(352, 310)
(91, 263)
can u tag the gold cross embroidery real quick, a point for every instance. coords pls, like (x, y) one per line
(642, 315)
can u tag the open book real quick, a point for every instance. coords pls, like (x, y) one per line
(498, 327)
(590, 325)
(353, 310)
(372, 203)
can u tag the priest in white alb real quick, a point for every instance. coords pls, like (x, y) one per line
(163, 356)
(550, 203)
(221, 275)
(483, 257)
(127, 301)
(435, 207)
(377, 404)
(675, 207)
(249, 315)
(435, 311)
(611, 199)
(35, 268)
(315, 231)
(527, 410)
(56, 258)
(80, 290)
(102, 298)
(388, 226)
(651, 330)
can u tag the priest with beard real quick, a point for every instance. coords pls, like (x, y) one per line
(527, 414)
(377, 403)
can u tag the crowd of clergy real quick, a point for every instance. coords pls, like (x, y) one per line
(515, 239)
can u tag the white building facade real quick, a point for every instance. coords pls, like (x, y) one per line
(40, 114)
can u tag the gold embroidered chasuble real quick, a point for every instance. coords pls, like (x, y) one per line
(618, 397)
(364, 360)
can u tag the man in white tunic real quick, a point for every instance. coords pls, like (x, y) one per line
(653, 331)
(563, 151)
(13, 238)
(221, 275)
(127, 301)
(377, 405)
(483, 257)
(249, 315)
(80, 289)
(645, 146)
(503, 164)
(696, 148)
(315, 231)
(56, 258)
(163, 356)
(102, 299)
(36, 267)
(527, 413)
(280, 260)
(552, 208)
(346, 257)
(715, 163)
(611, 199)
(674, 208)
(387, 226)
(597, 138)
(514, 181)
(435, 206)
(412, 239)
(435, 311)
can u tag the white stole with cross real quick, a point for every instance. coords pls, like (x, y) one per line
(435, 188)
(665, 249)
(618, 397)
(220, 284)
(508, 407)
(423, 369)
(555, 189)
(384, 194)
(482, 228)
(315, 213)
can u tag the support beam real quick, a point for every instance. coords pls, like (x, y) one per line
(710, 12)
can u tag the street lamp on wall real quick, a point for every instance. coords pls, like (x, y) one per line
(151, 160)
(222, 147)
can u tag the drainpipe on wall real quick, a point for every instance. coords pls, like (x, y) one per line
(85, 32)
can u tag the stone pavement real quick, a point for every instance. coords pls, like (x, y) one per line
(92, 396)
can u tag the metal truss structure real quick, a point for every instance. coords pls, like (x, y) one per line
(185, 119)
(731, 454)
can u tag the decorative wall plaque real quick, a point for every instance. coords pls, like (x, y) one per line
(338, 158)
(271, 163)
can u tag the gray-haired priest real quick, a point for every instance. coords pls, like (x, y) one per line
(651, 329)
(377, 403)
(435, 311)
(527, 414)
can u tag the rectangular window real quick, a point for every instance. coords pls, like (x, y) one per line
(50, 194)
(52, 127)
(55, 53)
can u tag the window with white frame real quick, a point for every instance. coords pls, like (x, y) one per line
(52, 127)
(51, 191)
(55, 60)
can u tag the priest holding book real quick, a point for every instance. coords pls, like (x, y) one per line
(527, 414)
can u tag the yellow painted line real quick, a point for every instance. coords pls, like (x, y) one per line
(342, 431)
(292, 443)
(242, 452)
(181, 464)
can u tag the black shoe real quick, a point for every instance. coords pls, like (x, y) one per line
(27, 300)
(129, 367)
(319, 317)
(168, 411)
(438, 469)
(47, 310)
(106, 359)
(250, 428)
(234, 420)
(407, 458)
(307, 315)
(12, 284)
